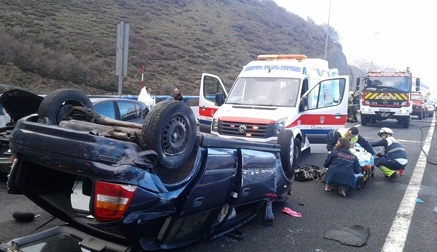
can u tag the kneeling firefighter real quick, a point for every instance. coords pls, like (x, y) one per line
(394, 157)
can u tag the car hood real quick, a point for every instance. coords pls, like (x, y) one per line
(19, 103)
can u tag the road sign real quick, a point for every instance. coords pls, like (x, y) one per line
(121, 53)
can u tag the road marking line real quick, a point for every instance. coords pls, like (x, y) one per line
(397, 236)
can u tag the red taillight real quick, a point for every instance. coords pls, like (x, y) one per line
(112, 200)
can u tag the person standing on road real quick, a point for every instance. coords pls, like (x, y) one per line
(351, 134)
(177, 95)
(394, 157)
(342, 166)
(146, 97)
(351, 109)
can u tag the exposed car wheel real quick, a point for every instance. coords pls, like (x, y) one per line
(57, 105)
(170, 130)
(286, 141)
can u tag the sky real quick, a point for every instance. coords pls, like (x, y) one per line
(395, 34)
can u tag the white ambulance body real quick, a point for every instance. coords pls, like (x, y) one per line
(286, 99)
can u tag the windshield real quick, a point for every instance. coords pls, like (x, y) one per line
(265, 91)
(395, 83)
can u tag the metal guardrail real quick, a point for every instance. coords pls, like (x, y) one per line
(158, 98)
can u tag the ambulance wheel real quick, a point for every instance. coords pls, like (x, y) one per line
(286, 142)
(297, 153)
(170, 130)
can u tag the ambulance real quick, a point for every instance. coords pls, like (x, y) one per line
(286, 99)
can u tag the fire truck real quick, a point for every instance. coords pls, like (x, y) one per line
(387, 95)
(419, 108)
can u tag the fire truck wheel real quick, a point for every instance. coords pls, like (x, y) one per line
(364, 120)
(406, 123)
(170, 130)
(57, 105)
(286, 141)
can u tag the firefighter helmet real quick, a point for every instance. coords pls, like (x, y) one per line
(385, 131)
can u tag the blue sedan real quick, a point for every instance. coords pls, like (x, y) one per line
(120, 109)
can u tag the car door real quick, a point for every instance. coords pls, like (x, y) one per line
(130, 111)
(323, 108)
(210, 86)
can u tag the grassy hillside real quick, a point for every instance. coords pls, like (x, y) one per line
(45, 45)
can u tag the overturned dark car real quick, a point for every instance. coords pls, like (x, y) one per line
(151, 186)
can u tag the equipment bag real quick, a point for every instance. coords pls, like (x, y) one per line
(306, 172)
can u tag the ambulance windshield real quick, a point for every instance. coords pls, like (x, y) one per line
(282, 92)
(391, 83)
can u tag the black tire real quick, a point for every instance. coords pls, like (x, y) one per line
(297, 153)
(286, 142)
(364, 120)
(56, 106)
(170, 130)
(406, 123)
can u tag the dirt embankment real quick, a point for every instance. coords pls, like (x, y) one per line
(37, 84)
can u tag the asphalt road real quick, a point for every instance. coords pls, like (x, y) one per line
(398, 214)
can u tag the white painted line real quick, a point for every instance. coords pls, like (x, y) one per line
(398, 232)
